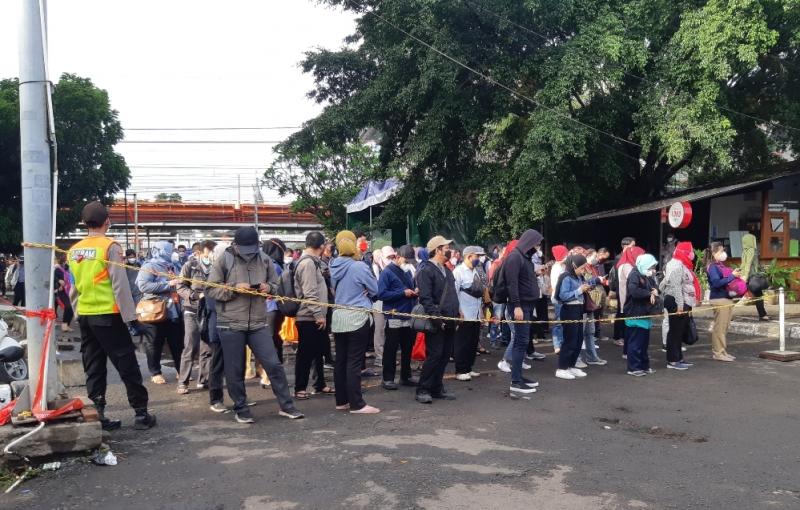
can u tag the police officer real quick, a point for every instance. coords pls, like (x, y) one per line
(102, 299)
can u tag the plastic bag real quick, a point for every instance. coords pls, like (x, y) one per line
(289, 330)
(418, 353)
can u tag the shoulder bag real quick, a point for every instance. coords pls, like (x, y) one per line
(151, 311)
(426, 325)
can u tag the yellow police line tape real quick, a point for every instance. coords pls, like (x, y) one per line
(390, 313)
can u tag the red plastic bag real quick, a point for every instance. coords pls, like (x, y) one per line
(418, 353)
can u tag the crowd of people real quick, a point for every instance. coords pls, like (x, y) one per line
(207, 305)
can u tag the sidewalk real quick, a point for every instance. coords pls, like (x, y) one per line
(745, 321)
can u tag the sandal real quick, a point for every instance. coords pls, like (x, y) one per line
(327, 390)
(158, 379)
(301, 395)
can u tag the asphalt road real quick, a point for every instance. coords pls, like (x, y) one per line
(718, 436)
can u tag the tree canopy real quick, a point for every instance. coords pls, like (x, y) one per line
(174, 198)
(87, 129)
(583, 104)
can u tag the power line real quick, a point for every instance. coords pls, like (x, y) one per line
(493, 81)
(211, 128)
(268, 142)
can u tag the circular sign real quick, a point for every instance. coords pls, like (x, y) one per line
(680, 215)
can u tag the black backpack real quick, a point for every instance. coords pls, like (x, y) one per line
(498, 288)
(613, 280)
(286, 289)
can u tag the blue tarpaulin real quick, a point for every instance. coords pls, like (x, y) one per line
(374, 193)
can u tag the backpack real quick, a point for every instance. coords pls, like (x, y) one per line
(613, 279)
(498, 287)
(285, 285)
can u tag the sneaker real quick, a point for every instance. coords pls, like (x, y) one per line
(526, 366)
(577, 372)
(109, 424)
(530, 383)
(678, 366)
(580, 364)
(624, 356)
(423, 398)
(529, 356)
(409, 382)
(474, 374)
(244, 417)
(144, 421)
(664, 349)
(158, 379)
(201, 386)
(687, 363)
(366, 410)
(637, 373)
(463, 377)
(598, 362)
(389, 385)
(183, 389)
(328, 366)
(722, 357)
(619, 343)
(504, 366)
(564, 374)
(444, 395)
(650, 371)
(292, 414)
(557, 350)
(537, 356)
(219, 407)
(521, 388)
(683, 348)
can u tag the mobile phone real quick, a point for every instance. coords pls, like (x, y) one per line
(255, 286)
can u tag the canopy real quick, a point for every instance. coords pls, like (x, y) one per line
(374, 193)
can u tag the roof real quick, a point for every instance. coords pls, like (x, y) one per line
(166, 214)
(686, 196)
(374, 193)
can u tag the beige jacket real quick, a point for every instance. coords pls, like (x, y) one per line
(309, 283)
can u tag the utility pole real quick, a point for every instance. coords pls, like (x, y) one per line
(127, 242)
(34, 91)
(239, 189)
(136, 224)
(257, 199)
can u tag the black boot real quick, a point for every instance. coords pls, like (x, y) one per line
(106, 423)
(144, 420)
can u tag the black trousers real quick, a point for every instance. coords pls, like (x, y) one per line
(619, 327)
(762, 311)
(310, 348)
(216, 372)
(155, 335)
(438, 347)
(678, 329)
(19, 294)
(542, 329)
(404, 339)
(466, 346)
(350, 350)
(68, 315)
(573, 336)
(103, 338)
(274, 324)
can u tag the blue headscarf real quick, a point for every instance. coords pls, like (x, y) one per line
(161, 255)
(424, 258)
(644, 263)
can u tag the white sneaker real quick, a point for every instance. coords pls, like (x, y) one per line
(580, 364)
(564, 374)
(599, 362)
(526, 366)
(504, 366)
(475, 374)
(577, 372)
(463, 377)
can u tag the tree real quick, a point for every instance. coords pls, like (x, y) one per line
(169, 197)
(87, 129)
(608, 101)
(322, 180)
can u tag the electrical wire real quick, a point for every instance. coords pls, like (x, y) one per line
(211, 128)
(268, 142)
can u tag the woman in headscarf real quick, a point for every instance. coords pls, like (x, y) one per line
(626, 264)
(641, 294)
(681, 290)
(354, 286)
(157, 281)
(750, 267)
(569, 291)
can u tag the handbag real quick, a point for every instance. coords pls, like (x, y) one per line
(151, 311)
(691, 333)
(426, 325)
(418, 353)
(589, 306)
(757, 282)
(597, 295)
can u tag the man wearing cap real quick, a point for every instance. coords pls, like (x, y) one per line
(101, 297)
(242, 320)
(470, 285)
(437, 294)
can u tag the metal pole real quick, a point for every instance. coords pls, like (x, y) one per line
(136, 225)
(239, 189)
(782, 318)
(127, 241)
(35, 176)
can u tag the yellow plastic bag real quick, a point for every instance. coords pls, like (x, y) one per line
(289, 330)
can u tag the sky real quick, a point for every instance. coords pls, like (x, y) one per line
(191, 64)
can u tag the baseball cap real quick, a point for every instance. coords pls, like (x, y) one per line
(94, 214)
(473, 250)
(437, 241)
(246, 240)
(388, 251)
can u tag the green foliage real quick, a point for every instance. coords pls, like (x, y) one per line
(664, 75)
(780, 276)
(700, 268)
(87, 129)
(169, 197)
(322, 180)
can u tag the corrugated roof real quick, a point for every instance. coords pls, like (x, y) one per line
(687, 196)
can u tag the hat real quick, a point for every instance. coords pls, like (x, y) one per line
(388, 251)
(246, 240)
(406, 251)
(436, 242)
(560, 252)
(346, 244)
(473, 250)
(94, 214)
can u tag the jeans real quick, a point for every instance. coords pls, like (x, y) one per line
(638, 340)
(19, 294)
(350, 350)
(233, 345)
(557, 329)
(155, 335)
(589, 351)
(404, 339)
(495, 330)
(438, 345)
(310, 347)
(466, 346)
(522, 335)
(573, 336)
(193, 348)
(216, 371)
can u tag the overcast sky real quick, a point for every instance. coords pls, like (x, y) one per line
(190, 63)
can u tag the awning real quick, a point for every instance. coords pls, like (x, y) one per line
(374, 193)
(689, 196)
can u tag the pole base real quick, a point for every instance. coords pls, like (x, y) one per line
(780, 355)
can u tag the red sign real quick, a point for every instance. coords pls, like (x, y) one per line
(664, 215)
(680, 215)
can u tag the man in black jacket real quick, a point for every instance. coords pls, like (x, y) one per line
(437, 294)
(523, 291)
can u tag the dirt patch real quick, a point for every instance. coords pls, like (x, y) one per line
(652, 431)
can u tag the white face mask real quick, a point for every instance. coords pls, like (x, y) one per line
(131, 261)
(540, 253)
(722, 256)
(651, 272)
(453, 260)
(482, 259)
